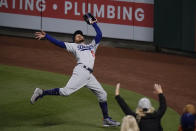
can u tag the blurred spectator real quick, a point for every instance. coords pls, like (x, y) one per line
(129, 123)
(189, 108)
(147, 117)
(188, 119)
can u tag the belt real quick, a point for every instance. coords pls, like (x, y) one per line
(87, 68)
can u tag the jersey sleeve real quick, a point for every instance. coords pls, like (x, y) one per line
(162, 105)
(54, 41)
(123, 105)
(98, 36)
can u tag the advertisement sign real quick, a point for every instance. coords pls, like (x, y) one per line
(125, 19)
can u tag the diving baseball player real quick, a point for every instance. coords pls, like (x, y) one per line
(82, 73)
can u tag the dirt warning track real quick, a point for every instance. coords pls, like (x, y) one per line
(136, 70)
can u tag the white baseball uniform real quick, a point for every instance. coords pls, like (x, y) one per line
(85, 56)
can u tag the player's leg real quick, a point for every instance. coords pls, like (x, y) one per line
(78, 79)
(101, 94)
(39, 93)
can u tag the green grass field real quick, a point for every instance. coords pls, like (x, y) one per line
(78, 112)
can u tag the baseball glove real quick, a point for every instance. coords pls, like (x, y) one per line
(87, 17)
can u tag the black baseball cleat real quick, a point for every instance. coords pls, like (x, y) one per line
(107, 122)
(38, 93)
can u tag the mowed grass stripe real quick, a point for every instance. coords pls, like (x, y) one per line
(78, 112)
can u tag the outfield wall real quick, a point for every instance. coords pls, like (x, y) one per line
(121, 19)
(175, 24)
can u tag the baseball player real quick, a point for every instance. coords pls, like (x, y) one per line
(82, 73)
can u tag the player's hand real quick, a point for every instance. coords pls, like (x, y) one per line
(157, 89)
(92, 22)
(117, 91)
(40, 35)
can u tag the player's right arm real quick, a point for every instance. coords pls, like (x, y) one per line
(40, 35)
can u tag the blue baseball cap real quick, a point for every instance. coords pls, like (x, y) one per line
(75, 33)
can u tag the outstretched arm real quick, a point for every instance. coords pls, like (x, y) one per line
(123, 105)
(54, 41)
(162, 101)
(98, 37)
(40, 35)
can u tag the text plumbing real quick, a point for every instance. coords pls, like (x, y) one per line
(103, 9)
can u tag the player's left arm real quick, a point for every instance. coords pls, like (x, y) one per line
(98, 36)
